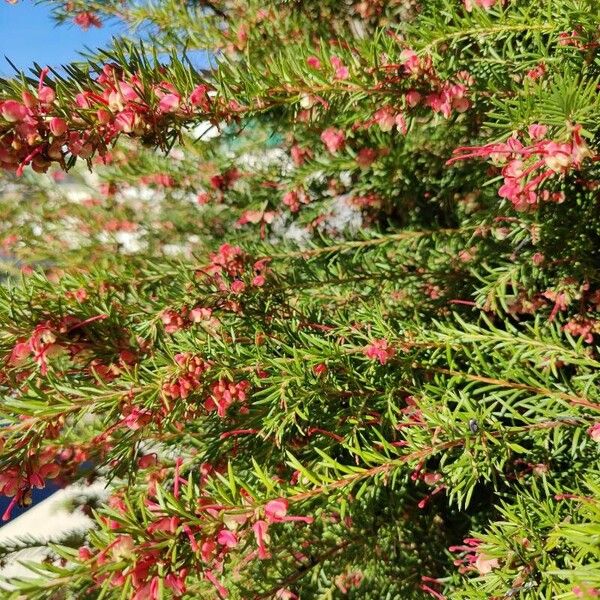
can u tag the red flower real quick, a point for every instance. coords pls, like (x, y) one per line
(313, 62)
(169, 103)
(199, 97)
(260, 532)
(485, 4)
(276, 512)
(13, 111)
(137, 418)
(334, 139)
(225, 393)
(379, 350)
(594, 432)
(87, 19)
(227, 538)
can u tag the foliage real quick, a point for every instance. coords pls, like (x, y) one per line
(323, 313)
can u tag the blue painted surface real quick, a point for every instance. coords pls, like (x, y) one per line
(36, 497)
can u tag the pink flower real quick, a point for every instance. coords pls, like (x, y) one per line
(413, 98)
(238, 286)
(146, 461)
(222, 591)
(46, 95)
(227, 538)
(290, 199)
(299, 155)
(594, 432)
(449, 97)
(127, 121)
(585, 592)
(348, 580)
(19, 354)
(366, 157)
(537, 72)
(58, 126)
(401, 123)
(199, 97)
(276, 512)
(385, 118)
(484, 564)
(320, 369)
(341, 70)
(334, 139)
(313, 62)
(137, 418)
(486, 4)
(379, 350)
(410, 61)
(228, 259)
(82, 100)
(207, 549)
(260, 532)
(537, 259)
(526, 168)
(583, 328)
(225, 393)
(192, 368)
(176, 582)
(172, 320)
(557, 156)
(87, 19)
(164, 525)
(342, 73)
(200, 314)
(169, 103)
(13, 111)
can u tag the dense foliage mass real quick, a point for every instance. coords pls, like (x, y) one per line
(323, 312)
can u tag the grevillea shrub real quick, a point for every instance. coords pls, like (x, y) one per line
(325, 315)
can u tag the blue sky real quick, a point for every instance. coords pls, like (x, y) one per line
(28, 34)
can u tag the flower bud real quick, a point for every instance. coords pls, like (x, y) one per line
(46, 95)
(58, 126)
(13, 111)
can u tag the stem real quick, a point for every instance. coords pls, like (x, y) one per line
(303, 570)
(351, 245)
(513, 385)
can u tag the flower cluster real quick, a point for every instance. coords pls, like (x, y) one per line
(233, 270)
(472, 559)
(17, 483)
(224, 393)
(211, 537)
(38, 130)
(526, 167)
(86, 19)
(431, 91)
(44, 343)
(192, 368)
(174, 320)
(379, 350)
